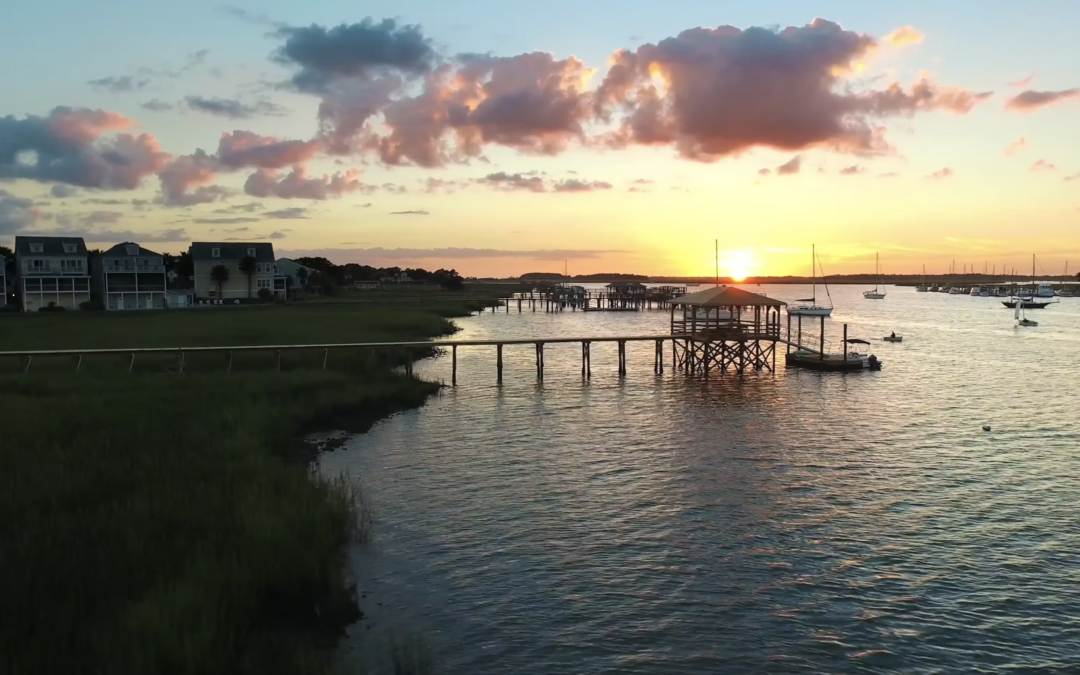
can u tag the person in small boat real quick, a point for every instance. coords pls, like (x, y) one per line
(893, 336)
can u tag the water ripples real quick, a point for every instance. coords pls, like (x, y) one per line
(791, 523)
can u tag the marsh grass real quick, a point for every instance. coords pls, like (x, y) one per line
(157, 522)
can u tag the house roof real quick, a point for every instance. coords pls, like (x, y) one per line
(727, 296)
(231, 250)
(120, 251)
(626, 284)
(53, 245)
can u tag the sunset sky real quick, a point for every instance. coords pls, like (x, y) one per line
(501, 138)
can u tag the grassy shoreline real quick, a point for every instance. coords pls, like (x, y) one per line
(154, 522)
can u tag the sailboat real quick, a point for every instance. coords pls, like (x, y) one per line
(809, 306)
(876, 294)
(1021, 319)
(923, 288)
(1029, 302)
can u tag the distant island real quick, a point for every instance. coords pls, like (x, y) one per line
(842, 279)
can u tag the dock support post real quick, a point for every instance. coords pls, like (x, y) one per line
(325, 354)
(586, 359)
(622, 358)
(499, 362)
(659, 360)
(822, 338)
(228, 368)
(800, 332)
(453, 372)
(788, 333)
(845, 343)
(540, 361)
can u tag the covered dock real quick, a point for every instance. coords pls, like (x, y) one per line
(725, 327)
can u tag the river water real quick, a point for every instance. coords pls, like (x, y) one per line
(788, 522)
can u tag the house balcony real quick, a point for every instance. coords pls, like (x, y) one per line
(132, 269)
(54, 272)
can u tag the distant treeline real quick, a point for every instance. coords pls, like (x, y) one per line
(593, 278)
(342, 275)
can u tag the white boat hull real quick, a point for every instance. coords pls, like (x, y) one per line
(871, 295)
(810, 311)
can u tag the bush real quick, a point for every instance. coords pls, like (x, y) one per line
(52, 307)
(92, 306)
(265, 294)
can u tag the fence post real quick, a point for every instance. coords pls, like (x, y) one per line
(131, 364)
(228, 369)
(26, 369)
(78, 364)
(499, 361)
(325, 354)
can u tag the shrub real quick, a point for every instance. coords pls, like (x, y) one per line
(266, 295)
(52, 307)
(92, 306)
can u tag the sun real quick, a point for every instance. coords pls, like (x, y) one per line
(737, 264)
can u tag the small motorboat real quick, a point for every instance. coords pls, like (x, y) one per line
(893, 338)
(1027, 322)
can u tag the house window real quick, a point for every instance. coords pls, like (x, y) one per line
(37, 248)
(71, 265)
(132, 250)
(70, 248)
(251, 252)
(215, 253)
(40, 266)
(264, 283)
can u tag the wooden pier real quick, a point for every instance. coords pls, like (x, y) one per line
(615, 298)
(717, 330)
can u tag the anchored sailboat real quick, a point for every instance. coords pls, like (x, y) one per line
(809, 306)
(1030, 302)
(876, 294)
(923, 288)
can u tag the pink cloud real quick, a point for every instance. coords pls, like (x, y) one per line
(1032, 100)
(1016, 147)
(853, 170)
(941, 174)
(1043, 165)
(297, 185)
(712, 93)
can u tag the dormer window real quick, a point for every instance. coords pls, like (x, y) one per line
(37, 248)
(132, 250)
(251, 252)
(70, 248)
(215, 253)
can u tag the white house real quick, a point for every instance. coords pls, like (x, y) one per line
(291, 268)
(128, 276)
(205, 256)
(51, 270)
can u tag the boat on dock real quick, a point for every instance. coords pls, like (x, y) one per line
(923, 288)
(809, 306)
(876, 294)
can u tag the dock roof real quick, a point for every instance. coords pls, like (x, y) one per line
(727, 296)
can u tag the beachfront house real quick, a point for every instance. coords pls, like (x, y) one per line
(291, 270)
(128, 276)
(205, 256)
(626, 288)
(51, 271)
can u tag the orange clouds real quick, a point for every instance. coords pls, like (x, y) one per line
(902, 37)
(1016, 147)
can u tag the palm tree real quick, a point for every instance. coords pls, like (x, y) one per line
(248, 267)
(220, 275)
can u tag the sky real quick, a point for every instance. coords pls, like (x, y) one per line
(499, 138)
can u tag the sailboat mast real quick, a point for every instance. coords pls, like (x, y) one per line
(813, 272)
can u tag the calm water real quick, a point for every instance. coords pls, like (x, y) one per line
(796, 522)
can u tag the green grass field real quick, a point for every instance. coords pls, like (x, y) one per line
(157, 522)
